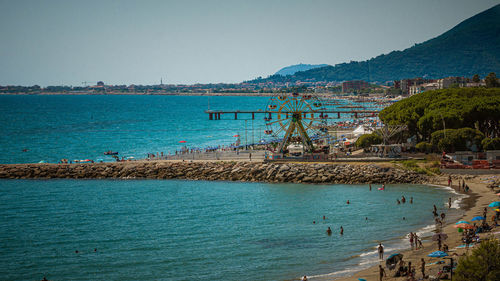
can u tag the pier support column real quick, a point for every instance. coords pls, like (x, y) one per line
(235, 116)
(355, 115)
(338, 115)
(253, 115)
(210, 116)
(218, 116)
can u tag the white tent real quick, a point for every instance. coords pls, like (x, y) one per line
(361, 130)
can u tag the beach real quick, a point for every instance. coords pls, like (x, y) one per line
(479, 196)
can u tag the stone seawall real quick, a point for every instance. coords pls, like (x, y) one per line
(226, 171)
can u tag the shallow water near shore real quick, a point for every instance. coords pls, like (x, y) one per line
(198, 230)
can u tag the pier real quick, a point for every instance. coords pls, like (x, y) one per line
(324, 114)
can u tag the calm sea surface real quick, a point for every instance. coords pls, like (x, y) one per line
(177, 230)
(197, 230)
(83, 127)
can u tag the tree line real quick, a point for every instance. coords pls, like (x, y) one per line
(450, 119)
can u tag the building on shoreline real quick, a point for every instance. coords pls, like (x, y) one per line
(418, 85)
(354, 86)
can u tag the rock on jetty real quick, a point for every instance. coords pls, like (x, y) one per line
(224, 171)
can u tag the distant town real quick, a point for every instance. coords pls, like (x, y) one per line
(405, 87)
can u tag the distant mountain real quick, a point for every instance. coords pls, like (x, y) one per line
(471, 47)
(292, 69)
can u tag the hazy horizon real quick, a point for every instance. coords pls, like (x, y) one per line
(187, 42)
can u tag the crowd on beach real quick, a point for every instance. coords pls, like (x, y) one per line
(470, 235)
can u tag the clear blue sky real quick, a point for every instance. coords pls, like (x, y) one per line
(67, 42)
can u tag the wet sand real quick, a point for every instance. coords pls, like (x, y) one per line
(480, 196)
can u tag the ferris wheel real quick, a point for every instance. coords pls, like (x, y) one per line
(295, 118)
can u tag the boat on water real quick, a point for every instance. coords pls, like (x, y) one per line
(109, 152)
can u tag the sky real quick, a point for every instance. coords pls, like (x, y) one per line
(71, 42)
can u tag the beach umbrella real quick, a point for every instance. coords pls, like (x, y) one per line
(494, 204)
(438, 236)
(462, 222)
(478, 218)
(393, 260)
(183, 141)
(437, 254)
(464, 226)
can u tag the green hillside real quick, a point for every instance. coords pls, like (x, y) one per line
(471, 47)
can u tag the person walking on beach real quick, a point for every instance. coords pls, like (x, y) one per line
(411, 240)
(422, 268)
(449, 203)
(380, 251)
(449, 181)
(381, 272)
(411, 272)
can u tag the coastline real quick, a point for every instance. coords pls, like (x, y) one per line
(140, 94)
(477, 198)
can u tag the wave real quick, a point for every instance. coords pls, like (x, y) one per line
(370, 257)
(456, 203)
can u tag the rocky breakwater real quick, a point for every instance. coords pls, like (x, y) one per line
(226, 171)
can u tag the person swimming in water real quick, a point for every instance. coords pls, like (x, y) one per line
(329, 231)
(341, 230)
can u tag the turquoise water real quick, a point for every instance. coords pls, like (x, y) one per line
(83, 127)
(177, 230)
(197, 230)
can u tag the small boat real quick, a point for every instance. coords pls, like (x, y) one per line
(109, 152)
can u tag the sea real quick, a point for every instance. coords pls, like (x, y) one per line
(65, 229)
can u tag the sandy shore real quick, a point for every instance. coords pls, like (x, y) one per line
(480, 196)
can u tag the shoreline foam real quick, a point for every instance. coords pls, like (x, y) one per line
(471, 204)
(370, 258)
